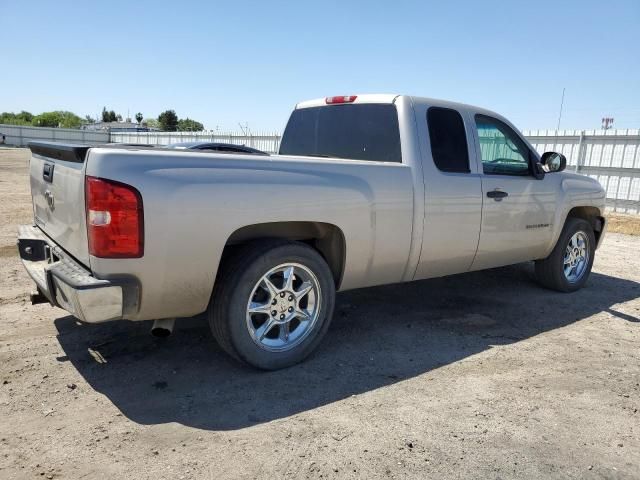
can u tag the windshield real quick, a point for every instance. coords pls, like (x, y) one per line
(354, 131)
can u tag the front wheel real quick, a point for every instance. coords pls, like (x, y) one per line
(272, 304)
(567, 268)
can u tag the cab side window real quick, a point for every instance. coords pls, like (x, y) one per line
(448, 140)
(502, 150)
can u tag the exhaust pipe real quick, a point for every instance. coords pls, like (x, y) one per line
(162, 327)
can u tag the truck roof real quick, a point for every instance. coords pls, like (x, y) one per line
(390, 98)
(367, 98)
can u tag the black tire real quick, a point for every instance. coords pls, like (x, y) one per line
(550, 271)
(235, 282)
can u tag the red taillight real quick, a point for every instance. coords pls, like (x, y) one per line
(114, 219)
(341, 99)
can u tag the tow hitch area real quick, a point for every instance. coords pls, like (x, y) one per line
(38, 297)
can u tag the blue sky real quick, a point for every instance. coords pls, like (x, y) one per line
(227, 62)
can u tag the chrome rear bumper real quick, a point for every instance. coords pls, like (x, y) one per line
(66, 283)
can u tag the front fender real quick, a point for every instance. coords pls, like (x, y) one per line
(579, 196)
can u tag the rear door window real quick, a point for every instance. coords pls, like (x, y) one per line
(448, 140)
(353, 131)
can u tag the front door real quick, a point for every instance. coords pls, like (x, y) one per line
(517, 208)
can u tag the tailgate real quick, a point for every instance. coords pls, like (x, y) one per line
(57, 190)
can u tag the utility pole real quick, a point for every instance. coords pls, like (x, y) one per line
(245, 129)
(561, 105)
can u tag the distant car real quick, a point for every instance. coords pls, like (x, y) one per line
(216, 147)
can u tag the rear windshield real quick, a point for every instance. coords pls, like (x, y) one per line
(358, 132)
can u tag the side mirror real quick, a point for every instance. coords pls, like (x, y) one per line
(553, 161)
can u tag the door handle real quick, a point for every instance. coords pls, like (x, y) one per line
(497, 195)
(47, 172)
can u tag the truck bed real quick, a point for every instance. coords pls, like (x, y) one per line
(195, 201)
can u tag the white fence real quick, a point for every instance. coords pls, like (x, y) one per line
(610, 156)
(267, 142)
(21, 136)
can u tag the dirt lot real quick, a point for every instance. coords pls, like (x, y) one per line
(483, 375)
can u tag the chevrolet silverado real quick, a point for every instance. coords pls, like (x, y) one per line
(366, 190)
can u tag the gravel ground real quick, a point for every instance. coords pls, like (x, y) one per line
(482, 375)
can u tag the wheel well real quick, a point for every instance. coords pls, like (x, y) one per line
(326, 238)
(591, 215)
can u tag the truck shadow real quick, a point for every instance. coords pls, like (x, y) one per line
(379, 336)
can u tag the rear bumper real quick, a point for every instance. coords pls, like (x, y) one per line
(66, 283)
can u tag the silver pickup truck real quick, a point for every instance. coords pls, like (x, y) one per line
(366, 190)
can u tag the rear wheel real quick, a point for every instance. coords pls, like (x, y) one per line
(567, 268)
(272, 304)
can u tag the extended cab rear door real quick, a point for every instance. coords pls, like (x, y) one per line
(518, 206)
(453, 193)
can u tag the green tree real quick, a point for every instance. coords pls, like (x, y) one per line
(26, 117)
(108, 115)
(139, 117)
(168, 121)
(22, 118)
(9, 118)
(70, 120)
(151, 123)
(188, 125)
(47, 119)
(57, 118)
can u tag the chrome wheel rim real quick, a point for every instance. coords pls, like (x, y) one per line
(283, 307)
(576, 257)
